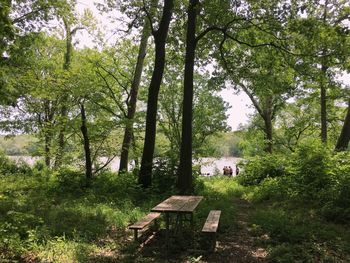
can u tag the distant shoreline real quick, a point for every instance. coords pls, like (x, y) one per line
(208, 165)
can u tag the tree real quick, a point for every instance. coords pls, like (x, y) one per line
(34, 81)
(87, 150)
(209, 109)
(267, 80)
(71, 26)
(296, 123)
(96, 125)
(160, 35)
(320, 34)
(131, 104)
(344, 137)
(184, 182)
(6, 26)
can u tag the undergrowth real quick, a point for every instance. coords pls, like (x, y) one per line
(51, 217)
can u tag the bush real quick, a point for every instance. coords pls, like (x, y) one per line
(337, 207)
(9, 167)
(310, 172)
(270, 188)
(259, 168)
(313, 174)
(164, 176)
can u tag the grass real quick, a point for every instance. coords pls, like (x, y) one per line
(52, 218)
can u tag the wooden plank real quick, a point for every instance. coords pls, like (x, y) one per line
(178, 203)
(212, 222)
(172, 204)
(191, 203)
(145, 221)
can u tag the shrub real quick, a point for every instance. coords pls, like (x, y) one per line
(164, 176)
(310, 171)
(9, 167)
(261, 167)
(337, 207)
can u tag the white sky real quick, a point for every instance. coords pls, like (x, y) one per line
(240, 104)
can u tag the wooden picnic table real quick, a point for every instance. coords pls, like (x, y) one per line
(178, 204)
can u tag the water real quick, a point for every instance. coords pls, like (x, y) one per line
(213, 166)
(208, 166)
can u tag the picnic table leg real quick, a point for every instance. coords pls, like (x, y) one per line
(192, 223)
(192, 229)
(179, 223)
(167, 229)
(135, 235)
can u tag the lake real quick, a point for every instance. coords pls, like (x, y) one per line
(208, 166)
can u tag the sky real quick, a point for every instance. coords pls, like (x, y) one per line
(240, 104)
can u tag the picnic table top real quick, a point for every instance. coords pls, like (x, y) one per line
(178, 203)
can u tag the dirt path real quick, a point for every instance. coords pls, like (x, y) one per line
(238, 245)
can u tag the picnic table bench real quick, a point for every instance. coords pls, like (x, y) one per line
(211, 225)
(179, 205)
(142, 223)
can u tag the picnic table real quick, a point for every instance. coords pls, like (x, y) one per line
(179, 205)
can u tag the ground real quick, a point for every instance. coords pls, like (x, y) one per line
(236, 245)
(239, 245)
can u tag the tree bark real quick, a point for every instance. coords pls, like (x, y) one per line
(47, 150)
(268, 134)
(87, 150)
(48, 133)
(323, 87)
(323, 105)
(266, 113)
(344, 137)
(185, 183)
(64, 108)
(267, 117)
(128, 133)
(145, 174)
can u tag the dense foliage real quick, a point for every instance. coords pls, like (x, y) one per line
(76, 95)
(50, 217)
(313, 175)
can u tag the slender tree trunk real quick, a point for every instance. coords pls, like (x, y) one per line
(64, 108)
(87, 150)
(128, 133)
(323, 105)
(267, 117)
(47, 150)
(185, 168)
(344, 137)
(268, 134)
(48, 132)
(145, 174)
(323, 85)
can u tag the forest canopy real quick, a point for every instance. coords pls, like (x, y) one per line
(145, 90)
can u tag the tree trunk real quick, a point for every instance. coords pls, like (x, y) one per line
(184, 183)
(268, 134)
(48, 130)
(267, 117)
(323, 105)
(64, 108)
(47, 150)
(344, 137)
(323, 87)
(145, 174)
(128, 133)
(87, 150)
